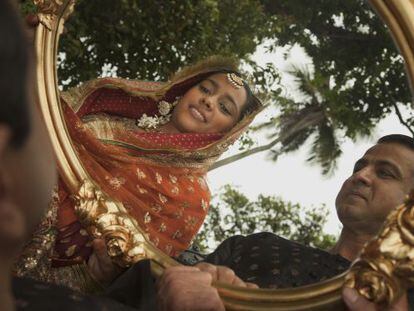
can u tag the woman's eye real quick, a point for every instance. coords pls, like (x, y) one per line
(225, 109)
(204, 89)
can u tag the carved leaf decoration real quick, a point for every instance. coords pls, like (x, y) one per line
(124, 247)
(49, 10)
(393, 246)
(385, 267)
(89, 203)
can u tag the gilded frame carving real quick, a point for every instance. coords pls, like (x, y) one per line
(127, 243)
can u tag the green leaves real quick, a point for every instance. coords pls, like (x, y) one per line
(150, 40)
(236, 214)
(357, 77)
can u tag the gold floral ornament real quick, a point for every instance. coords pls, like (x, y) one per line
(385, 267)
(106, 219)
(50, 10)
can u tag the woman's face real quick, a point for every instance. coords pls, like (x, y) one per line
(212, 106)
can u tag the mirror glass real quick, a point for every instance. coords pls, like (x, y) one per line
(331, 83)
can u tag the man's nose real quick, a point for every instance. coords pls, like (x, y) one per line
(363, 176)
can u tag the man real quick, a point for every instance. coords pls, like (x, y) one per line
(26, 173)
(379, 183)
(27, 176)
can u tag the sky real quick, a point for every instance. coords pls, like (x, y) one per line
(291, 177)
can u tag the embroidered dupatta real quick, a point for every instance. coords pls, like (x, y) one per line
(158, 177)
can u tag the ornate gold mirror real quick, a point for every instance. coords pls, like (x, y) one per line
(128, 243)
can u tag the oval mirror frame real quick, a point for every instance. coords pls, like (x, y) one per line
(130, 245)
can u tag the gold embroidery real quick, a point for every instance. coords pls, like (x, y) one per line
(190, 222)
(190, 189)
(141, 190)
(156, 208)
(156, 241)
(178, 214)
(173, 179)
(177, 234)
(115, 182)
(162, 227)
(175, 190)
(185, 204)
(141, 174)
(83, 232)
(204, 205)
(70, 251)
(190, 178)
(147, 218)
(104, 126)
(162, 198)
(158, 177)
(79, 126)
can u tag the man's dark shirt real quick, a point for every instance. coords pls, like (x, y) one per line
(271, 261)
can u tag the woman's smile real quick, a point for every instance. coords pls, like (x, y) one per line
(211, 106)
(197, 114)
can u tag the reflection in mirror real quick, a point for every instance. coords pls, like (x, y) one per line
(351, 79)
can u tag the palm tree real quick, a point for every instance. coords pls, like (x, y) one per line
(298, 122)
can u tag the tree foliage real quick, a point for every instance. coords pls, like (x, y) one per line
(150, 40)
(235, 214)
(357, 77)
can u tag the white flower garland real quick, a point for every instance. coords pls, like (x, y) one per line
(147, 122)
(164, 108)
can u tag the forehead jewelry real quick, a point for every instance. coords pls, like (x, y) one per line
(235, 80)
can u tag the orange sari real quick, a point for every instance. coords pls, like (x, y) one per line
(158, 177)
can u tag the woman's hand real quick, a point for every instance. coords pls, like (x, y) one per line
(223, 274)
(100, 265)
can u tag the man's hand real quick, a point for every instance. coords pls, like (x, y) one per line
(223, 274)
(356, 302)
(184, 288)
(100, 265)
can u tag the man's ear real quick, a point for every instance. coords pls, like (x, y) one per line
(5, 134)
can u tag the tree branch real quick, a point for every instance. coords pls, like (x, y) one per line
(244, 154)
(308, 121)
(403, 122)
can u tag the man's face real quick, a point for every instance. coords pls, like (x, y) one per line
(212, 106)
(379, 183)
(28, 175)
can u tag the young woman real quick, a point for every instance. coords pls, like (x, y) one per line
(149, 145)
